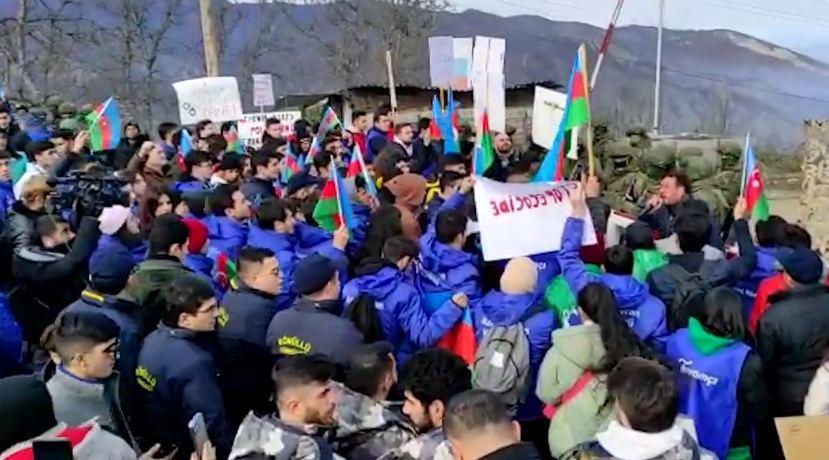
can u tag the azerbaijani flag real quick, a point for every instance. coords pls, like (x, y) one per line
(328, 122)
(333, 208)
(358, 166)
(185, 145)
(434, 130)
(104, 125)
(446, 121)
(484, 154)
(234, 143)
(752, 184)
(460, 340)
(576, 113)
(290, 164)
(224, 270)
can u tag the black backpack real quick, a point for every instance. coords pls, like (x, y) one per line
(689, 294)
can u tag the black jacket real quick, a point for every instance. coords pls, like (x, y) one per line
(46, 282)
(662, 220)
(791, 340)
(523, 451)
(126, 149)
(720, 273)
(753, 412)
(245, 360)
(310, 327)
(422, 155)
(17, 233)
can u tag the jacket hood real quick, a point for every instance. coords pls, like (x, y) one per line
(268, 437)
(629, 293)
(506, 309)
(704, 341)
(379, 283)
(581, 345)
(200, 263)
(270, 239)
(408, 189)
(438, 257)
(223, 227)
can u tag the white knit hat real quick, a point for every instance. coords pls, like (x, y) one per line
(520, 276)
(112, 219)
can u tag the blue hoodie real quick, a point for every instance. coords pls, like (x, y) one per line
(499, 309)
(226, 235)
(6, 200)
(405, 323)
(290, 248)
(645, 314)
(766, 267)
(202, 265)
(189, 184)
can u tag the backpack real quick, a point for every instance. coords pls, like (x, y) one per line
(362, 312)
(502, 362)
(689, 294)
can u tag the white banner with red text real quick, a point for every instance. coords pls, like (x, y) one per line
(524, 219)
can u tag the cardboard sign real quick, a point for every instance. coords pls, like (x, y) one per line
(210, 98)
(802, 437)
(441, 59)
(262, 89)
(548, 108)
(524, 219)
(461, 64)
(252, 125)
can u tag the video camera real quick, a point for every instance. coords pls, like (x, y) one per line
(81, 193)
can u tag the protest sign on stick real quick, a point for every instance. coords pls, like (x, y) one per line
(210, 98)
(262, 90)
(524, 219)
(548, 108)
(441, 58)
(251, 126)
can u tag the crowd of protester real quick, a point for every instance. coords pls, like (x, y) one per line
(210, 300)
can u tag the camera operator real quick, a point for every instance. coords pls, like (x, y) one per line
(19, 227)
(50, 272)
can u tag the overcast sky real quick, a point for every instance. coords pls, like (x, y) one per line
(799, 24)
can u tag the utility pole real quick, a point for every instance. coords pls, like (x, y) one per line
(658, 86)
(210, 38)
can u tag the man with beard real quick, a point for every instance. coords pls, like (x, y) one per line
(120, 235)
(50, 273)
(430, 379)
(306, 399)
(504, 158)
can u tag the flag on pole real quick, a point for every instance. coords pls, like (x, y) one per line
(434, 129)
(484, 154)
(290, 165)
(328, 122)
(185, 145)
(460, 339)
(104, 126)
(234, 143)
(333, 208)
(752, 184)
(312, 151)
(576, 113)
(358, 166)
(446, 121)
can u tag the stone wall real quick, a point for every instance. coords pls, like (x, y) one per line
(814, 200)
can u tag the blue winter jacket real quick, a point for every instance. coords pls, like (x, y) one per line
(189, 184)
(766, 267)
(6, 200)
(406, 325)
(447, 270)
(202, 265)
(109, 244)
(226, 235)
(645, 314)
(289, 249)
(375, 141)
(178, 377)
(362, 214)
(499, 309)
(121, 312)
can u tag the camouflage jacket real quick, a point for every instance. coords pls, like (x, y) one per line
(686, 449)
(269, 438)
(367, 429)
(432, 445)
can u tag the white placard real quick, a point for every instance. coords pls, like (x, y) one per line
(495, 59)
(262, 90)
(461, 63)
(496, 102)
(210, 98)
(479, 95)
(548, 108)
(252, 125)
(441, 57)
(480, 55)
(524, 219)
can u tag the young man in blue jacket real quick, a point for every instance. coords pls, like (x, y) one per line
(644, 313)
(519, 301)
(199, 169)
(276, 229)
(228, 224)
(388, 281)
(177, 372)
(446, 267)
(769, 233)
